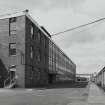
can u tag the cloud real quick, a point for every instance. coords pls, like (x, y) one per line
(88, 57)
(77, 4)
(88, 34)
(18, 5)
(87, 7)
(94, 8)
(34, 4)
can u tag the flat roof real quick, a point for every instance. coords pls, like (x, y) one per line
(25, 13)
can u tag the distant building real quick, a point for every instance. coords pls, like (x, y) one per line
(28, 55)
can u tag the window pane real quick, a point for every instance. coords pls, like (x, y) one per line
(44, 59)
(44, 40)
(13, 33)
(39, 36)
(12, 49)
(31, 52)
(12, 45)
(12, 26)
(32, 32)
(38, 55)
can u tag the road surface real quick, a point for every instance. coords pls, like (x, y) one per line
(91, 95)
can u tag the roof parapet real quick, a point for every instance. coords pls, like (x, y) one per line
(14, 14)
(46, 31)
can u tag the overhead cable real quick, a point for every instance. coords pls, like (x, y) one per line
(74, 28)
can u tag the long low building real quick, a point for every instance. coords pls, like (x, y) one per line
(100, 78)
(28, 55)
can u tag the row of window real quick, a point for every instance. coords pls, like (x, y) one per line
(58, 59)
(12, 32)
(38, 35)
(12, 51)
(32, 74)
(12, 46)
(12, 23)
(38, 57)
(41, 39)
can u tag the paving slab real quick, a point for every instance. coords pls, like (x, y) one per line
(96, 95)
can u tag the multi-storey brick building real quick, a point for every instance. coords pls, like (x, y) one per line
(26, 55)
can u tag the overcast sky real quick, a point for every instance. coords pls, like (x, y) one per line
(85, 46)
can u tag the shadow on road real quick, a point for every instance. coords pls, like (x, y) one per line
(66, 84)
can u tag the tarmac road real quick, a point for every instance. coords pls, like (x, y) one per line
(90, 95)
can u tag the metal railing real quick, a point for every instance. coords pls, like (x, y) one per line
(6, 82)
(9, 83)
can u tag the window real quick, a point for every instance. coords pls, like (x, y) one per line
(38, 74)
(11, 20)
(32, 31)
(44, 59)
(39, 36)
(12, 49)
(12, 26)
(44, 41)
(38, 55)
(31, 52)
(13, 33)
(32, 73)
(22, 59)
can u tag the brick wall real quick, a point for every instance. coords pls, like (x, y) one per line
(40, 70)
(20, 45)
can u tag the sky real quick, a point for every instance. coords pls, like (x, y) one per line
(84, 46)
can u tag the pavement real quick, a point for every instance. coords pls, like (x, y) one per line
(89, 95)
(96, 95)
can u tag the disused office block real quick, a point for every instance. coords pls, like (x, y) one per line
(28, 55)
